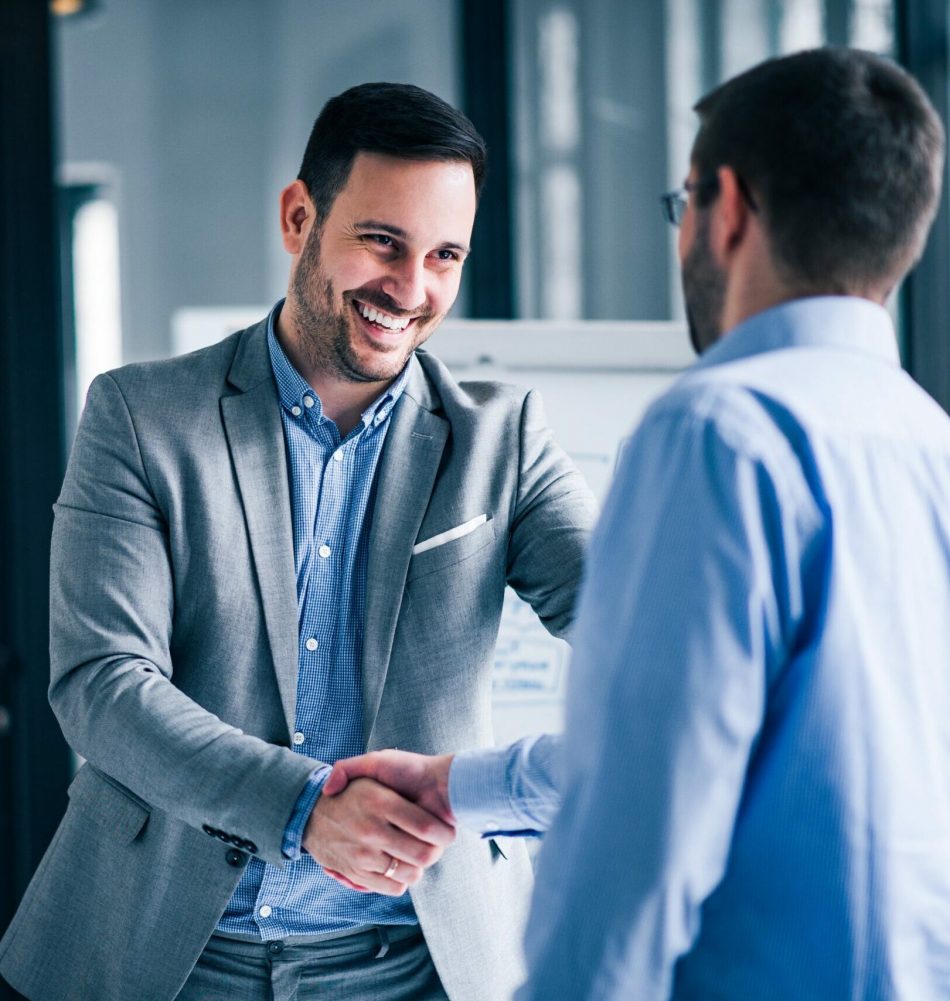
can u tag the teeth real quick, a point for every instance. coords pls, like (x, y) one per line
(383, 319)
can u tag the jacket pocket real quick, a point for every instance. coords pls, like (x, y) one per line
(108, 804)
(450, 553)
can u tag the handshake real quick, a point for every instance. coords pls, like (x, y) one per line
(381, 820)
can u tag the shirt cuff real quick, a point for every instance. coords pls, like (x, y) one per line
(293, 833)
(479, 795)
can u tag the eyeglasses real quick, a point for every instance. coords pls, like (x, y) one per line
(674, 202)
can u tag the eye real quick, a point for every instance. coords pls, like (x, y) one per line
(448, 255)
(380, 239)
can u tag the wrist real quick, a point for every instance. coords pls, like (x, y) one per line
(443, 768)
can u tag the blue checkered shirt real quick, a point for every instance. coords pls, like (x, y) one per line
(331, 485)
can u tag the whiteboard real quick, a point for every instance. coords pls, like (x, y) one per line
(596, 379)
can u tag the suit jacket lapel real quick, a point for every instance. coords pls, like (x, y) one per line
(256, 439)
(405, 477)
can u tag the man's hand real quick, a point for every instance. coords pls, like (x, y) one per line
(419, 777)
(357, 834)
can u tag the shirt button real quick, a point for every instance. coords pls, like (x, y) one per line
(265, 911)
(296, 411)
(491, 825)
(308, 402)
(337, 456)
(311, 644)
(299, 738)
(324, 551)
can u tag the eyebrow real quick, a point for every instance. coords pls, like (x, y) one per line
(385, 227)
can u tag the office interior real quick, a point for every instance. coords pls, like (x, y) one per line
(143, 144)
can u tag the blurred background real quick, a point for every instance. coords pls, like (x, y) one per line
(143, 144)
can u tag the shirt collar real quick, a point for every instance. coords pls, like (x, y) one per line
(845, 322)
(293, 389)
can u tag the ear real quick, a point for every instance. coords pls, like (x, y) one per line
(731, 216)
(297, 216)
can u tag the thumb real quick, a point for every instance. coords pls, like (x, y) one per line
(337, 780)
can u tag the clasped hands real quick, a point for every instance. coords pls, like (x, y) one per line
(378, 809)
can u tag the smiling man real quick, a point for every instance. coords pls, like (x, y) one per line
(371, 282)
(278, 552)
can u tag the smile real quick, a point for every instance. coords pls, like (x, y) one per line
(381, 319)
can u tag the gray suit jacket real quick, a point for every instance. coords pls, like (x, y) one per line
(174, 656)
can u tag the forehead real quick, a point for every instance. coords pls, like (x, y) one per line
(432, 199)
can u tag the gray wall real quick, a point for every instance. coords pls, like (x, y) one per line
(196, 113)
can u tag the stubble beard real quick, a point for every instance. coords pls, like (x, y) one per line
(326, 331)
(704, 290)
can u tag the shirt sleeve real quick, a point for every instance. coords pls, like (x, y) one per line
(306, 801)
(507, 791)
(679, 623)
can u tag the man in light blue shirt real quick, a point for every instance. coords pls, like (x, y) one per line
(757, 751)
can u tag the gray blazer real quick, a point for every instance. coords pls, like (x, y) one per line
(174, 657)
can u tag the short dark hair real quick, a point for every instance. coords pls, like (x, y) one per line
(843, 153)
(396, 119)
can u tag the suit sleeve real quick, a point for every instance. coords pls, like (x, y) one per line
(553, 517)
(111, 614)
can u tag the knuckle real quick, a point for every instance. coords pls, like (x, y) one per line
(429, 854)
(410, 875)
(364, 857)
(428, 828)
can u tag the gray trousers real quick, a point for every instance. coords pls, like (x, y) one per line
(378, 964)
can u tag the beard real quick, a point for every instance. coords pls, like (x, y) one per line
(327, 325)
(704, 290)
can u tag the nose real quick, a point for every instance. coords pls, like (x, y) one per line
(405, 282)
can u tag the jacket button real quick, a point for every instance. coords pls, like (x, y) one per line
(236, 858)
(251, 847)
(208, 829)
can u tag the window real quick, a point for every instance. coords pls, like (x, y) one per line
(91, 306)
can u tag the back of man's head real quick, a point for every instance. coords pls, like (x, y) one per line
(393, 119)
(844, 156)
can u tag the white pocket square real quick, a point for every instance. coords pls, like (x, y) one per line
(450, 535)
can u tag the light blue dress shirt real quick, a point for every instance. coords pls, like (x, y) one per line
(757, 748)
(331, 490)
(507, 791)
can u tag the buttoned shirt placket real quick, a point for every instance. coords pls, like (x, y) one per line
(331, 501)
